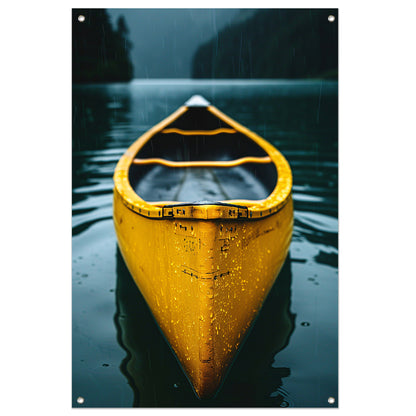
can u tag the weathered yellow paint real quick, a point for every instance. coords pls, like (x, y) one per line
(204, 270)
(204, 281)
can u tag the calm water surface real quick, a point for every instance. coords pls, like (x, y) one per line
(290, 358)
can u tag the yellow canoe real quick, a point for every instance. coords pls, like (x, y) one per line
(204, 216)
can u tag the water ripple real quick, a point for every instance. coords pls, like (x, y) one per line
(87, 224)
(283, 397)
(317, 222)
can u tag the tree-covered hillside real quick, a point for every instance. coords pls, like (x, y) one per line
(273, 43)
(99, 52)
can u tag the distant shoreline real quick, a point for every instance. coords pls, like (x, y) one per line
(201, 81)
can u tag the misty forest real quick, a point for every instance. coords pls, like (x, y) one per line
(100, 53)
(249, 44)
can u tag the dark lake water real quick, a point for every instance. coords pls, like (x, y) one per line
(290, 358)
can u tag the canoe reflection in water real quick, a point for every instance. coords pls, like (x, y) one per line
(156, 377)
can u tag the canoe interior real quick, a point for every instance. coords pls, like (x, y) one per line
(155, 182)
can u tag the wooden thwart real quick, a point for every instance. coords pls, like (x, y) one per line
(203, 163)
(199, 132)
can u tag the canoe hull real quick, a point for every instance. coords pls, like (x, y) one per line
(204, 280)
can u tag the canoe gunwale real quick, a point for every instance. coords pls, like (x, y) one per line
(205, 211)
(244, 209)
